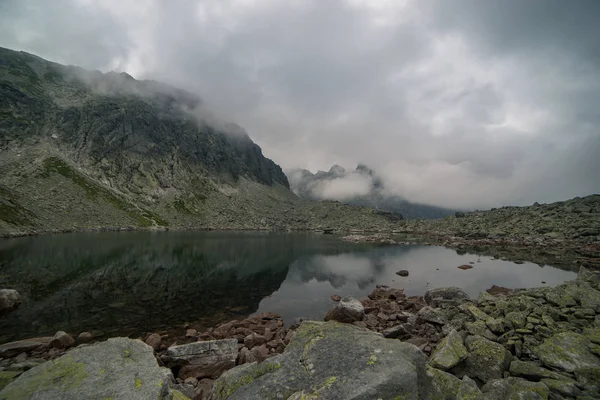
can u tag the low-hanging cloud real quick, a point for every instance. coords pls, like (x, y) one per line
(493, 106)
(343, 188)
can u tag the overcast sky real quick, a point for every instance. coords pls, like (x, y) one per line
(461, 103)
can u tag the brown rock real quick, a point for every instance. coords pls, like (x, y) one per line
(222, 331)
(336, 297)
(242, 357)
(9, 300)
(268, 334)
(191, 334)
(289, 336)
(84, 337)
(269, 315)
(54, 353)
(371, 320)
(261, 353)
(382, 317)
(191, 381)
(14, 348)
(253, 340)
(202, 359)
(402, 273)
(465, 266)
(417, 341)
(203, 389)
(360, 324)
(62, 340)
(276, 344)
(496, 290)
(154, 341)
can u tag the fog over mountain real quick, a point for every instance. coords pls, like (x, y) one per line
(461, 104)
(362, 187)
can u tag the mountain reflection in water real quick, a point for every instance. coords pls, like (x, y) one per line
(129, 283)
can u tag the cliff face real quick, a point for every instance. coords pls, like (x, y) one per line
(82, 149)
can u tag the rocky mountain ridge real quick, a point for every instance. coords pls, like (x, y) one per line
(84, 150)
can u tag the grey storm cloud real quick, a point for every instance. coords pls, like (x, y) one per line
(458, 103)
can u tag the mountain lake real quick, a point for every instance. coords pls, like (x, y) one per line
(133, 283)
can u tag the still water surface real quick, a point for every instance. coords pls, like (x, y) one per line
(130, 283)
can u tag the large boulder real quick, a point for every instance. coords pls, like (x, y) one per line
(9, 300)
(515, 389)
(347, 310)
(119, 368)
(531, 371)
(449, 352)
(332, 361)
(487, 360)
(200, 360)
(567, 351)
(445, 296)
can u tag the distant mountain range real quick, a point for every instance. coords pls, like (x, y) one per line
(361, 187)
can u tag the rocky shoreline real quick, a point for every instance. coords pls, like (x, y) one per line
(563, 253)
(540, 343)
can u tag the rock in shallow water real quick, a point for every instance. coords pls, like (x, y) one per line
(119, 368)
(450, 295)
(332, 361)
(347, 310)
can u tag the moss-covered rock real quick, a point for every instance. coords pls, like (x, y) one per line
(445, 386)
(516, 319)
(589, 378)
(119, 368)
(329, 360)
(468, 390)
(7, 377)
(531, 371)
(449, 352)
(487, 360)
(515, 389)
(479, 328)
(564, 387)
(567, 351)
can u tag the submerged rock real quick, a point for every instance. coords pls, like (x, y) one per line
(449, 295)
(119, 368)
(332, 361)
(347, 310)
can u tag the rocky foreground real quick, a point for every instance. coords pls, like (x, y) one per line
(541, 343)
